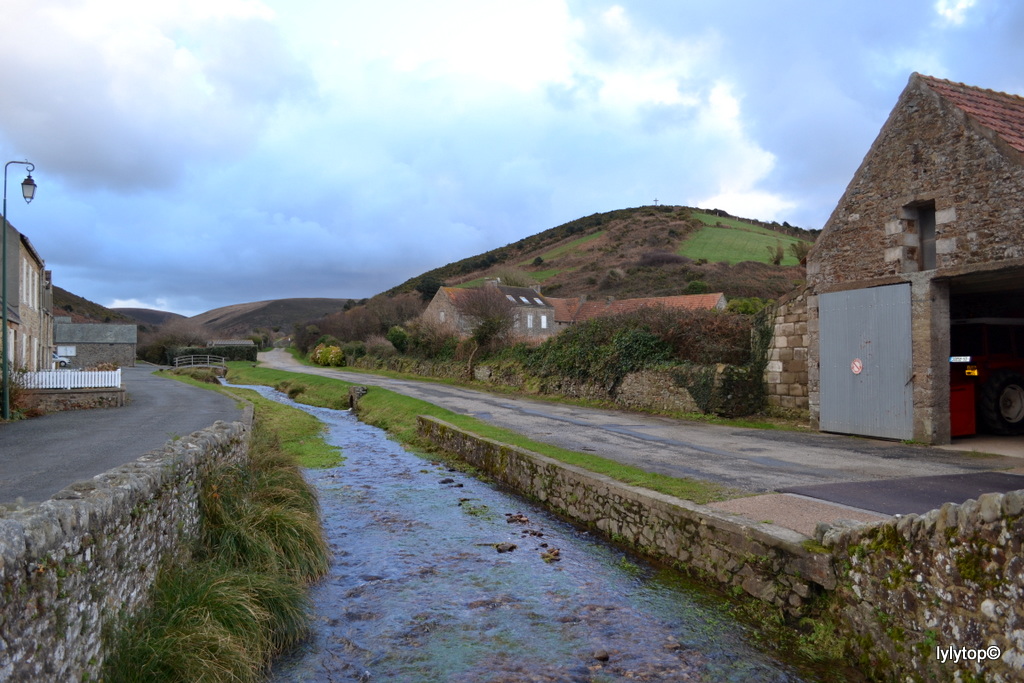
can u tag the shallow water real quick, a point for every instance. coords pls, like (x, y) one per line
(438, 576)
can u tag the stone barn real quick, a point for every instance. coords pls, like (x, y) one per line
(926, 243)
(86, 345)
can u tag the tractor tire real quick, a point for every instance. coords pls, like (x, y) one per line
(1001, 403)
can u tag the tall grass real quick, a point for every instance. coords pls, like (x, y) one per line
(242, 599)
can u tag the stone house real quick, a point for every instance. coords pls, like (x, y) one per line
(533, 315)
(29, 305)
(930, 229)
(87, 345)
(540, 317)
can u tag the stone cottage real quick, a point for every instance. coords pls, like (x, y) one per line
(930, 230)
(533, 315)
(87, 345)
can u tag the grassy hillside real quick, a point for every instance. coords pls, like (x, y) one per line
(727, 240)
(275, 315)
(81, 310)
(148, 316)
(644, 251)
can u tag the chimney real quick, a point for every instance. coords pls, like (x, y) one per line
(493, 282)
(535, 288)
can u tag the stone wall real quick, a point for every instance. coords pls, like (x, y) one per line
(912, 588)
(767, 561)
(901, 593)
(56, 400)
(71, 566)
(655, 390)
(92, 355)
(786, 372)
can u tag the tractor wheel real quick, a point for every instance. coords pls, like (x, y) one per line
(1001, 404)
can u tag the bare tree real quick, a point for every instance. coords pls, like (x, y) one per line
(800, 250)
(490, 313)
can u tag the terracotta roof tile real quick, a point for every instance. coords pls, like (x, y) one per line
(572, 310)
(999, 111)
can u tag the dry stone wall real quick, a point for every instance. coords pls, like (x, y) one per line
(923, 596)
(71, 566)
(57, 400)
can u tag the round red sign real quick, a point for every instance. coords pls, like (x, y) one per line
(856, 366)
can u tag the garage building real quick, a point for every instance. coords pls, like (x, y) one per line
(928, 237)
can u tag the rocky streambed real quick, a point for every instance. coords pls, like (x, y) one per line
(441, 577)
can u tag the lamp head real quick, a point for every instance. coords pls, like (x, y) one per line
(28, 189)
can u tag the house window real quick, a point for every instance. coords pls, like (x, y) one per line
(543, 322)
(442, 316)
(529, 321)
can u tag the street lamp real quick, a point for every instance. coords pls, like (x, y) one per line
(28, 191)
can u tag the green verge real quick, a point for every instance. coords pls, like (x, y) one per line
(397, 414)
(300, 434)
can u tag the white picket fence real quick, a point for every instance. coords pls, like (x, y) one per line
(72, 379)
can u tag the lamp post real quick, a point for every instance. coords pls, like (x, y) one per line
(28, 191)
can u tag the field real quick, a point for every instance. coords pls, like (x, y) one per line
(735, 241)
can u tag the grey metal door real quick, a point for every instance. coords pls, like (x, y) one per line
(866, 363)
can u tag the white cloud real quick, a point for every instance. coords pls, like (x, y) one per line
(330, 148)
(954, 11)
(159, 304)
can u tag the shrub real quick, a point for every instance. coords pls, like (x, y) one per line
(697, 287)
(354, 350)
(380, 347)
(399, 338)
(429, 339)
(747, 305)
(661, 258)
(327, 355)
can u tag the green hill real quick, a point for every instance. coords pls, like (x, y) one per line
(643, 251)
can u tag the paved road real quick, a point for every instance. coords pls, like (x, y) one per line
(41, 456)
(749, 459)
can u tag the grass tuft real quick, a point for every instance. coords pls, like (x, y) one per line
(243, 599)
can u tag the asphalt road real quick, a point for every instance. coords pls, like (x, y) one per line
(749, 459)
(41, 456)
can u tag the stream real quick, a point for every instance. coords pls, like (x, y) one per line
(439, 576)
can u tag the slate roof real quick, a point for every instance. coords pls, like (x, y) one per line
(1001, 112)
(522, 297)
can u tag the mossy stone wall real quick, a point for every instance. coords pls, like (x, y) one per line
(71, 566)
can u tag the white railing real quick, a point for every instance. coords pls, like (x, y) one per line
(72, 379)
(192, 361)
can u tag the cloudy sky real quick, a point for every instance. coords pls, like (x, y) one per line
(192, 154)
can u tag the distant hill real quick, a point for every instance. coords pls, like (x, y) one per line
(81, 310)
(276, 315)
(148, 316)
(644, 251)
(239, 320)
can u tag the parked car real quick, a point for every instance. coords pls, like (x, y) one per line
(60, 361)
(986, 375)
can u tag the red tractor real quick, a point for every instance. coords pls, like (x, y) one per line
(986, 375)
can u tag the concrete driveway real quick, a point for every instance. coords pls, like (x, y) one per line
(41, 456)
(756, 461)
